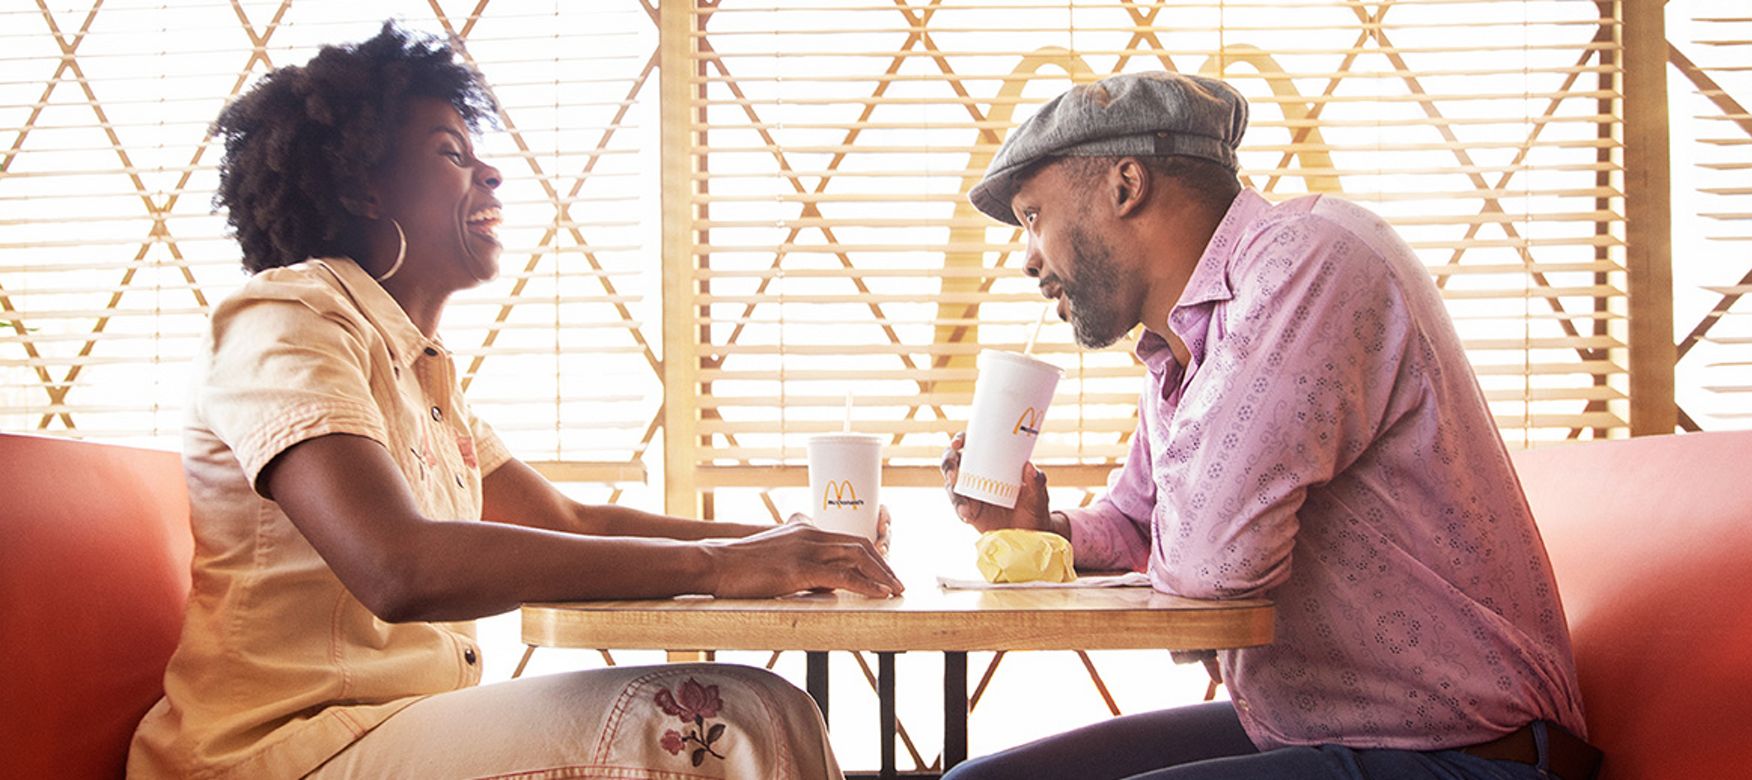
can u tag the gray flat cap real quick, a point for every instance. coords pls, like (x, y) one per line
(1132, 114)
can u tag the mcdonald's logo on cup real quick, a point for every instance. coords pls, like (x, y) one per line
(845, 475)
(1013, 391)
(840, 494)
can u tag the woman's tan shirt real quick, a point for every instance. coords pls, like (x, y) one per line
(279, 667)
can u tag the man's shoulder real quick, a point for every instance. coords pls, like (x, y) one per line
(1315, 217)
(1317, 231)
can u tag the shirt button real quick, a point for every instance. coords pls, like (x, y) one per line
(468, 655)
(1242, 704)
(437, 415)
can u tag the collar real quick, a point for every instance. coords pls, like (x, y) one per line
(1209, 283)
(406, 343)
(1153, 351)
(1210, 278)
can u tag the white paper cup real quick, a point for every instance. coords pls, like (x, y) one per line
(1009, 407)
(845, 476)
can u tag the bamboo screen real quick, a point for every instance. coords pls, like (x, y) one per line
(835, 254)
(1710, 92)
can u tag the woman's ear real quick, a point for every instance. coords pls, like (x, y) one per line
(364, 204)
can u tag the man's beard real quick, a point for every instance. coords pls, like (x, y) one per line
(1093, 294)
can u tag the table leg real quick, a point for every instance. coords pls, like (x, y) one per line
(954, 709)
(885, 694)
(815, 680)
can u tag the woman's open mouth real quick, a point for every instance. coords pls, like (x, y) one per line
(485, 222)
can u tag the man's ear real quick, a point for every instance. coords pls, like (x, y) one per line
(1130, 184)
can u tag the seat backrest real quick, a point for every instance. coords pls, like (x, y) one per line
(94, 572)
(1651, 542)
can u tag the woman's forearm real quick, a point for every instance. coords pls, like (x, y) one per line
(612, 520)
(516, 494)
(465, 570)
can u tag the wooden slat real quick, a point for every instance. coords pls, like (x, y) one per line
(1086, 424)
(580, 471)
(680, 373)
(1046, 453)
(1648, 220)
(896, 476)
(1491, 218)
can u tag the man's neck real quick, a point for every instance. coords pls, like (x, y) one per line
(1182, 232)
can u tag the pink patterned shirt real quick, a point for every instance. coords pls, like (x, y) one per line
(1327, 446)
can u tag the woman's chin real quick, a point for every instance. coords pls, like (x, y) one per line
(482, 263)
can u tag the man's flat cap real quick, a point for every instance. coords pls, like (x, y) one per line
(1129, 115)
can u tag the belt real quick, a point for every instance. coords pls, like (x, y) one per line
(1568, 756)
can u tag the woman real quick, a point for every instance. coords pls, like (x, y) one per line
(335, 470)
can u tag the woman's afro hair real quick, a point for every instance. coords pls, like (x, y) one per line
(301, 144)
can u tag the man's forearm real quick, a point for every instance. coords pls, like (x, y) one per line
(1106, 539)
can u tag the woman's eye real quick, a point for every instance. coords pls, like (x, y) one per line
(452, 154)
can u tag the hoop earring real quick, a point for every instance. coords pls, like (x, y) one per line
(401, 253)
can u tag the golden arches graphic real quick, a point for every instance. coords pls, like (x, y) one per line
(1312, 148)
(968, 229)
(839, 493)
(1029, 422)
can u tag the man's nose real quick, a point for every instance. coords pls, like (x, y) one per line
(1033, 262)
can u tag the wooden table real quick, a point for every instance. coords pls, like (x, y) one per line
(927, 618)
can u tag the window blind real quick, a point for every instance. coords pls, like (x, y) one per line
(835, 254)
(1710, 87)
(829, 145)
(111, 255)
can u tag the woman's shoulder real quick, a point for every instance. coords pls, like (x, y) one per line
(301, 298)
(315, 283)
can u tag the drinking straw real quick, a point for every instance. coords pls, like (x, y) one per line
(847, 427)
(1029, 349)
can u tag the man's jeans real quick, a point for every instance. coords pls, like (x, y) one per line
(1206, 742)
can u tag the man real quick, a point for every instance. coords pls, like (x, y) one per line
(1311, 432)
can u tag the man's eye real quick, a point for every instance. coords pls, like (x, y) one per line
(454, 155)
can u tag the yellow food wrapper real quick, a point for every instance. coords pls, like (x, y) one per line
(1018, 555)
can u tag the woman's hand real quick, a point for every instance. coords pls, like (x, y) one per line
(797, 557)
(882, 526)
(1030, 511)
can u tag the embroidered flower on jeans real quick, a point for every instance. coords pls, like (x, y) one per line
(672, 742)
(695, 703)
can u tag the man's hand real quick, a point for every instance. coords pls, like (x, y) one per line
(796, 557)
(1031, 507)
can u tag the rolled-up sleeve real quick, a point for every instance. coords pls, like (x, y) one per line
(287, 365)
(1114, 533)
(1294, 385)
(488, 446)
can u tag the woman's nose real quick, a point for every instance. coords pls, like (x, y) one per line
(490, 176)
